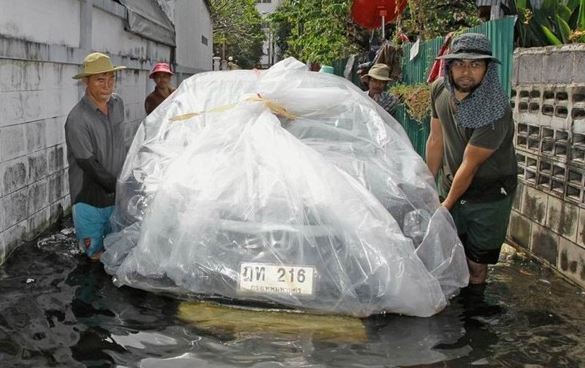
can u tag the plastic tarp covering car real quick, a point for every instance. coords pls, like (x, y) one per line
(282, 187)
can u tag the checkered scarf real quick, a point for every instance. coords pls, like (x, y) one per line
(484, 106)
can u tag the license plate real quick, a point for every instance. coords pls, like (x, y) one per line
(276, 279)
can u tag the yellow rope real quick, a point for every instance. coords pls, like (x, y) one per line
(276, 108)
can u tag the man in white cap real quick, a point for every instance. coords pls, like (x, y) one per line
(96, 152)
(376, 80)
(471, 140)
(161, 75)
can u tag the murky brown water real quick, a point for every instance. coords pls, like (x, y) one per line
(59, 310)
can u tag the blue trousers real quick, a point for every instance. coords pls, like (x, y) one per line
(92, 224)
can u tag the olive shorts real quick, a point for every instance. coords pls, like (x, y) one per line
(482, 227)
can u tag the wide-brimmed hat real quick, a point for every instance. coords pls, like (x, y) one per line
(161, 68)
(96, 63)
(471, 46)
(380, 72)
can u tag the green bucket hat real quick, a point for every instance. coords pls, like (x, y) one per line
(472, 46)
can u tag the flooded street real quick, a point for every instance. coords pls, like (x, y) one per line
(59, 310)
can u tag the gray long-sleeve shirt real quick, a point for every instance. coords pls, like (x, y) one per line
(95, 151)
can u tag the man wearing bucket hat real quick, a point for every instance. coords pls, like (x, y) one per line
(471, 139)
(95, 151)
(161, 74)
(376, 80)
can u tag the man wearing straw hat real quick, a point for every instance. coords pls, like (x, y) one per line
(95, 151)
(376, 80)
(471, 139)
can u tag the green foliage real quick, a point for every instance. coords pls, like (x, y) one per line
(314, 30)
(416, 98)
(434, 18)
(557, 22)
(237, 31)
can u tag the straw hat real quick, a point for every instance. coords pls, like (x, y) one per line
(97, 63)
(160, 68)
(380, 72)
(471, 46)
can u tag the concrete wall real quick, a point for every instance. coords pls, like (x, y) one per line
(548, 96)
(269, 48)
(42, 43)
(198, 36)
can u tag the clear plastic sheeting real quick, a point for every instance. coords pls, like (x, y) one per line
(286, 187)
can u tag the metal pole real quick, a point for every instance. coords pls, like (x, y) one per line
(383, 28)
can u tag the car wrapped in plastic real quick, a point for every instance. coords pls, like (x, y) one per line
(286, 187)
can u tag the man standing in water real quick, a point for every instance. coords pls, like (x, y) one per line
(95, 151)
(161, 74)
(471, 139)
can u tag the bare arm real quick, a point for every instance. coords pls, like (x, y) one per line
(434, 148)
(473, 158)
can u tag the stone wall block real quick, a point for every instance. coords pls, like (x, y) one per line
(56, 187)
(56, 212)
(13, 236)
(557, 67)
(544, 244)
(12, 142)
(15, 208)
(13, 175)
(56, 157)
(574, 187)
(515, 71)
(36, 223)
(38, 196)
(562, 218)
(55, 131)
(578, 144)
(35, 136)
(520, 230)
(544, 176)
(581, 228)
(3, 250)
(571, 261)
(534, 205)
(37, 166)
(3, 213)
(518, 197)
(530, 68)
(11, 108)
(578, 67)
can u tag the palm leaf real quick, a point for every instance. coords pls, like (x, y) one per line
(550, 36)
(581, 19)
(564, 29)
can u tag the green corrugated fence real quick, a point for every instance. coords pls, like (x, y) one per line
(501, 34)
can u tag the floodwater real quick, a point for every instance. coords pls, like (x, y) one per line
(59, 310)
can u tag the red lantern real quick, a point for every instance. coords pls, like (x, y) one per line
(369, 13)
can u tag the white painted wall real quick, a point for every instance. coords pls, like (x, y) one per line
(265, 8)
(42, 44)
(192, 23)
(108, 35)
(53, 22)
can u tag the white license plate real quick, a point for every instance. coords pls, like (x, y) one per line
(276, 279)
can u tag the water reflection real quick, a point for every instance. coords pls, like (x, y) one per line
(58, 309)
